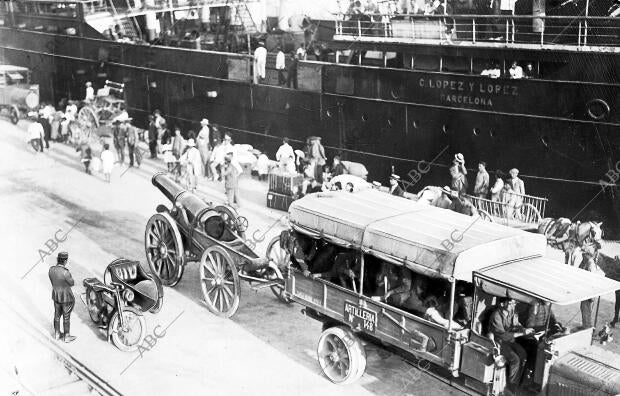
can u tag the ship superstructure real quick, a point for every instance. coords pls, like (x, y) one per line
(385, 88)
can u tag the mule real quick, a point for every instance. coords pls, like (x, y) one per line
(565, 235)
(611, 267)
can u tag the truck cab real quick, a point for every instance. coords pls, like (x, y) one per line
(562, 359)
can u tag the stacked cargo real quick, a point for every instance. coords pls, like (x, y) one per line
(284, 188)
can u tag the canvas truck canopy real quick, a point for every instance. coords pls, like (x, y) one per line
(429, 240)
(543, 279)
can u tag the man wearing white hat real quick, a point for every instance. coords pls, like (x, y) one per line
(260, 60)
(192, 159)
(459, 174)
(203, 143)
(394, 187)
(90, 92)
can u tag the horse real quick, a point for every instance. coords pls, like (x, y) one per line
(565, 235)
(611, 267)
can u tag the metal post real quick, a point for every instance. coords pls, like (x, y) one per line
(585, 32)
(579, 35)
(473, 30)
(542, 33)
(598, 303)
(452, 292)
(359, 28)
(507, 31)
(384, 59)
(361, 273)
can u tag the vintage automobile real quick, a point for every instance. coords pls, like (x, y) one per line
(450, 250)
(18, 97)
(214, 235)
(117, 304)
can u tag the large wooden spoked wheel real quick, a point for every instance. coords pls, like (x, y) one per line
(88, 121)
(281, 259)
(528, 214)
(164, 249)
(341, 355)
(219, 281)
(484, 215)
(93, 304)
(130, 335)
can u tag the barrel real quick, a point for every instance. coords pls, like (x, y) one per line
(177, 195)
(21, 96)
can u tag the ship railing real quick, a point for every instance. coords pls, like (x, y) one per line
(132, 6)
(512, 208)
(485, 30)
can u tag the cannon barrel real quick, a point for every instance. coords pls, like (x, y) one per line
(176, 194)
(167, 186)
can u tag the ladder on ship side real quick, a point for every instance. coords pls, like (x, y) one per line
(127, 25)
(243, 17)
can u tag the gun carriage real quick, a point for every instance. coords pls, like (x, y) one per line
(492, 260)
(213, 235)
(117, 304)
(17, 96)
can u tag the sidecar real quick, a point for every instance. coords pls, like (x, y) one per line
(118, 303)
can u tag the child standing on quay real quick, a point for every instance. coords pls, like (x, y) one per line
(107, 161)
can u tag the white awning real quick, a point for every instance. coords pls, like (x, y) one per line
(545, 279)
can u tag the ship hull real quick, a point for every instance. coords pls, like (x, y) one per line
(562, 159)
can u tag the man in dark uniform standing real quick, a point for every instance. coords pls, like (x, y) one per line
(62, 296)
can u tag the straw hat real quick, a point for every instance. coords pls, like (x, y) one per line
(395, 177)
(204, 121)
(458, 157)
(89, 84)
(447, 190)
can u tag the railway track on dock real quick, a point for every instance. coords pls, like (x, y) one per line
(35, 364)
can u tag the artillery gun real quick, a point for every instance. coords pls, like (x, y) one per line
(214, 235)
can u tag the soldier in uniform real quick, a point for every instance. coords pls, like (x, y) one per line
(62, 296)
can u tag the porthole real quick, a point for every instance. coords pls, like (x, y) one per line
(328, 113)
(364, 117)
(414, 124)
(445, 128)
(597, 109)
(476, 132)
(390, 122)
(492, 133)
(544, 140)
(395, 94)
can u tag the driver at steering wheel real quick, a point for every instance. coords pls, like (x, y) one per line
(537, 317)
